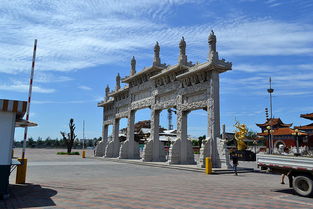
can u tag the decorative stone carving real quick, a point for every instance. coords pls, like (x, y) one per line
(182, 59)
(156, 59)
(113, 149)
(213, 55)
(118, 82)
(109, 150)
(148, 152)
(133, 66)
(205, 151)
(175, 152)
(107, 91)
(126, 148)
(223, 153)
(100, 148)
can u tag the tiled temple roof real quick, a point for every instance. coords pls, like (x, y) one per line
(274, 122)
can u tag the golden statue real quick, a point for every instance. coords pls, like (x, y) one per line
(240, 135)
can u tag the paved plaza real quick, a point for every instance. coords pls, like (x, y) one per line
(72, 182)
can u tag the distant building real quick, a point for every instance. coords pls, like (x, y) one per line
(143, 130)
(308, 129)
(281, 133)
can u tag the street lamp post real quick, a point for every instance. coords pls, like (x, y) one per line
(269, 132)
(296, 134)
(255, 143)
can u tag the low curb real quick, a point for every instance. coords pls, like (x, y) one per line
(172, 166)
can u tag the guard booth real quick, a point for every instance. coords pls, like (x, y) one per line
(11, 116)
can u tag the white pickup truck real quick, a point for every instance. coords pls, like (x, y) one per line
(298, 169)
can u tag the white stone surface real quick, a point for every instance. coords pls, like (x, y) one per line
(176, 156)
(100, 148)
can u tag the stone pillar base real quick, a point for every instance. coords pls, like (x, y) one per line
(223, 154)
(148, 152)
(204, 152)
(207, 150)
(100, 148)
(175, 154)
(112, 150)
(126, 153)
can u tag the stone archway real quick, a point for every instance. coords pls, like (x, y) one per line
(185, 86)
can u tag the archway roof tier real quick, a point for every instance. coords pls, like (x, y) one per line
(307, 116)
(144, 71)
(106, 103)
(170, 69)
(121, 90)
(208, 66)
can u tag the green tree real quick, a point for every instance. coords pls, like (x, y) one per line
(201, 138)
(69, 138)
(30, 142)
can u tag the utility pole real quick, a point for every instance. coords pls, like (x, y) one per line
(83, 134)
(29, 98)
(270, 91)
(170, 117)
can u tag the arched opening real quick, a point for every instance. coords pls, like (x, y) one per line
(168, 128)
(278, 143)
(123, 129)
(197, 129)
(110, 132)
(142, 127)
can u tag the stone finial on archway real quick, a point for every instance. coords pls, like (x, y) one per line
(182, 59)
(118, 82)
(133, 66)
(156, 59)
(107, 91)
(213, 55)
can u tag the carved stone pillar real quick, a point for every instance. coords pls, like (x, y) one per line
(182, 134)
(155, 126)
(131, 133)
(113, 148)
(214, 118)
(181, 151)
(130, 148)
(154, 149)
(101, 146)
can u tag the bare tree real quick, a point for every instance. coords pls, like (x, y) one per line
(69, 137)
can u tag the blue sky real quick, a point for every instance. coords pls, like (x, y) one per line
(82, 45)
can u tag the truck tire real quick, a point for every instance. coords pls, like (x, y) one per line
(303, 186)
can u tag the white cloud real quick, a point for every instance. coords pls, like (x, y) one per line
(44, 77)
(85, 88)
(76, 35)
(257, 68)
(24, 88)
(64, 102)
(287, 80)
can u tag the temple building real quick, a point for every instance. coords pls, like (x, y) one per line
(308, 129)
(281, 133)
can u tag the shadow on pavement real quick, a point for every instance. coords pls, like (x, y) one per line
(286, 191)
(28, 196)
